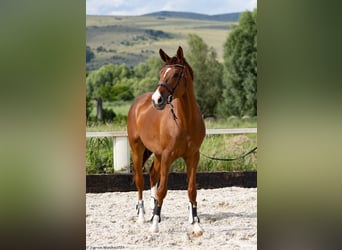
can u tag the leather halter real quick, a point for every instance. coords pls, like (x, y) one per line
(168, 88)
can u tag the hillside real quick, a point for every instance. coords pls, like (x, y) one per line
(230, 17)
(132, 39)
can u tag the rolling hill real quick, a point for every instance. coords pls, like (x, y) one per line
(230, 17)
(132, 39)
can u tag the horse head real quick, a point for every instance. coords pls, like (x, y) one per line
(171, 77)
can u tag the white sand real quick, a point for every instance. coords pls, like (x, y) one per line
(228, 217)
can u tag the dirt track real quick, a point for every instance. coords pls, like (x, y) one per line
(228, 217)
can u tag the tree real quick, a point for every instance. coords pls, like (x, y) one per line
(207, 74)
(89, 107)
(109, 83)
(147, 74)
(240, 68)
(89, 54)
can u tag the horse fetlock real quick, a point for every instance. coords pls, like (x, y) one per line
(140, 211)
(156, 213)
(153, 196)
(193, 218)
(140, 207)
(152, 203)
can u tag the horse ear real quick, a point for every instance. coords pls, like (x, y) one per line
(180, 55)
(163, 55)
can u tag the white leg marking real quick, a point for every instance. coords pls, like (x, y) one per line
(198, 231)
(156, 95)
(154, 228)
(191, 217)
(153, 196)
(141, 212)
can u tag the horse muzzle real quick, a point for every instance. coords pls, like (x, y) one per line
(158, 101)
(159, 105)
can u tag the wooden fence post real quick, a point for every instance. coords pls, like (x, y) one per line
(121, 153)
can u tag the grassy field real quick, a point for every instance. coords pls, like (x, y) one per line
(99, 150)
(121, 108)
(135, 38)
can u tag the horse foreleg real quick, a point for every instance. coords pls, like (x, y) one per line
(161, 193)
(139, 182)
(193, 219)
(154, 177)
(141, 211)
(192, 193)
(155, 218)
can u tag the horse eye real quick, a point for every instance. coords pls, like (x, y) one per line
(176, 75)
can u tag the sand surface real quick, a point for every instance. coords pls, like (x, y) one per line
(228, 217)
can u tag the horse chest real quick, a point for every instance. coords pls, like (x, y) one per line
(183, 142)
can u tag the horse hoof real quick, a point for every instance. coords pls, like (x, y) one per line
(140, 221)
(141, 218)
(198, 231)
(154, 227)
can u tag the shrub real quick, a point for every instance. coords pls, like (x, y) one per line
(99, 155)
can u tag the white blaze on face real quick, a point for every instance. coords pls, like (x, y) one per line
(167, 70)
(156, 95)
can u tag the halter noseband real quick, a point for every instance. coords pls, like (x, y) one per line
(169, 89)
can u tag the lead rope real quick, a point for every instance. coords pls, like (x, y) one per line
(169, 101)
(173, 113)
(230, 159)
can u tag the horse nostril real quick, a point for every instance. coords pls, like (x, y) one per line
(160, 100)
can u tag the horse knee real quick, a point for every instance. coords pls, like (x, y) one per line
(192, 191)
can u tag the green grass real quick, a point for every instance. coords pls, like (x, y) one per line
(232, 122)
(99, 154)
(99, 150)
(224, 146)
(121, 108)
(228, 146)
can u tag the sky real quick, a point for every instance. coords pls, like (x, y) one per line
(140, 7)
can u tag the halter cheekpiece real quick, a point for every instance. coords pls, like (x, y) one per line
(172, 91)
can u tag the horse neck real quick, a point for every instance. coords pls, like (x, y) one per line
(188, 105)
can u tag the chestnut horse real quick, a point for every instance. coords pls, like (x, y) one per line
(168, 133)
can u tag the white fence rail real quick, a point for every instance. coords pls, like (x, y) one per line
(121, 149)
